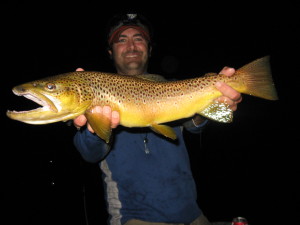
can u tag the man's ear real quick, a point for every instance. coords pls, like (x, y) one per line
(110, 53)
(149, 51)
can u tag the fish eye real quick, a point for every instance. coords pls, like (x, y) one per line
(50, 86)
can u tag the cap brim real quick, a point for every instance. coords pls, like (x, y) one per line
(116, 34)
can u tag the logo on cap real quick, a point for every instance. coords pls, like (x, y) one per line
(131, 16)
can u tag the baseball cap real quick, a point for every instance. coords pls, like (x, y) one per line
(122, 22)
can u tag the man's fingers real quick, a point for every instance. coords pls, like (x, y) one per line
(90, 128)
(232, 104)
(115, 119)
(79, 121)
(106, 111)
(227, 71)
(228, 91)
(229, 96)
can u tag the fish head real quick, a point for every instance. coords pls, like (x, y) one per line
(61, 99)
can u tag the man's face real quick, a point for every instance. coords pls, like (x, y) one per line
(130, 53)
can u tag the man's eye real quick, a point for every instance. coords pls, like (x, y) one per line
(122, 40)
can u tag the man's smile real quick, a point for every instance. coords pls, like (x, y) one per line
(132, 54)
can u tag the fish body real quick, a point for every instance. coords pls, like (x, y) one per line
(142, 101)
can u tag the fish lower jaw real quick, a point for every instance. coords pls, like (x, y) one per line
(40, 109)
(30, 116)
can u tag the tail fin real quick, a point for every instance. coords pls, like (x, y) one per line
(258, 78)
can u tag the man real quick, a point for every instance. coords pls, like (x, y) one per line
(147, 177)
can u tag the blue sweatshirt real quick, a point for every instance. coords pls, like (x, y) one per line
(146, 176)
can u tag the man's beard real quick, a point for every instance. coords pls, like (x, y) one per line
(133, 60)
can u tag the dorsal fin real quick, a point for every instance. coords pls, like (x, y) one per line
(151, 77)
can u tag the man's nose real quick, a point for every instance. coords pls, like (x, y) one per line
(131, 44)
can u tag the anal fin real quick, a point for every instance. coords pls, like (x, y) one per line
(164, 130)
(100, 124)
(219, 112)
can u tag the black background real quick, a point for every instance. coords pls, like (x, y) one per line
(246, 168)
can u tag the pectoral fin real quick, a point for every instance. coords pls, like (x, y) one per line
(219, 112)
(100, 124)
(164, 130)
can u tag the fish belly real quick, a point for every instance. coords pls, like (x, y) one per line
(165, 110)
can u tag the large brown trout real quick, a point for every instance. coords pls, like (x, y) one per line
(142, 101)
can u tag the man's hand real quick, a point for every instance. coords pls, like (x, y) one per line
(106, 111)
(230, 96)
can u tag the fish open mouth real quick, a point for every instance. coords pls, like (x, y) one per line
(40, 101)
(46, 104)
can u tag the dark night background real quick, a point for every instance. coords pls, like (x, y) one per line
(246, 168)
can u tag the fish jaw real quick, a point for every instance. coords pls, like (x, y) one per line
(54, 108)
(38, 97)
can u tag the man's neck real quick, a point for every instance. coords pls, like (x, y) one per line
(132, 72)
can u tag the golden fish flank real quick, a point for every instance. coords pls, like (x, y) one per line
(142, 101)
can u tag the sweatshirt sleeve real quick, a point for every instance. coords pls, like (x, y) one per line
(90, 146)
(191, 127)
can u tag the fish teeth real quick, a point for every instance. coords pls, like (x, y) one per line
(35, 99)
